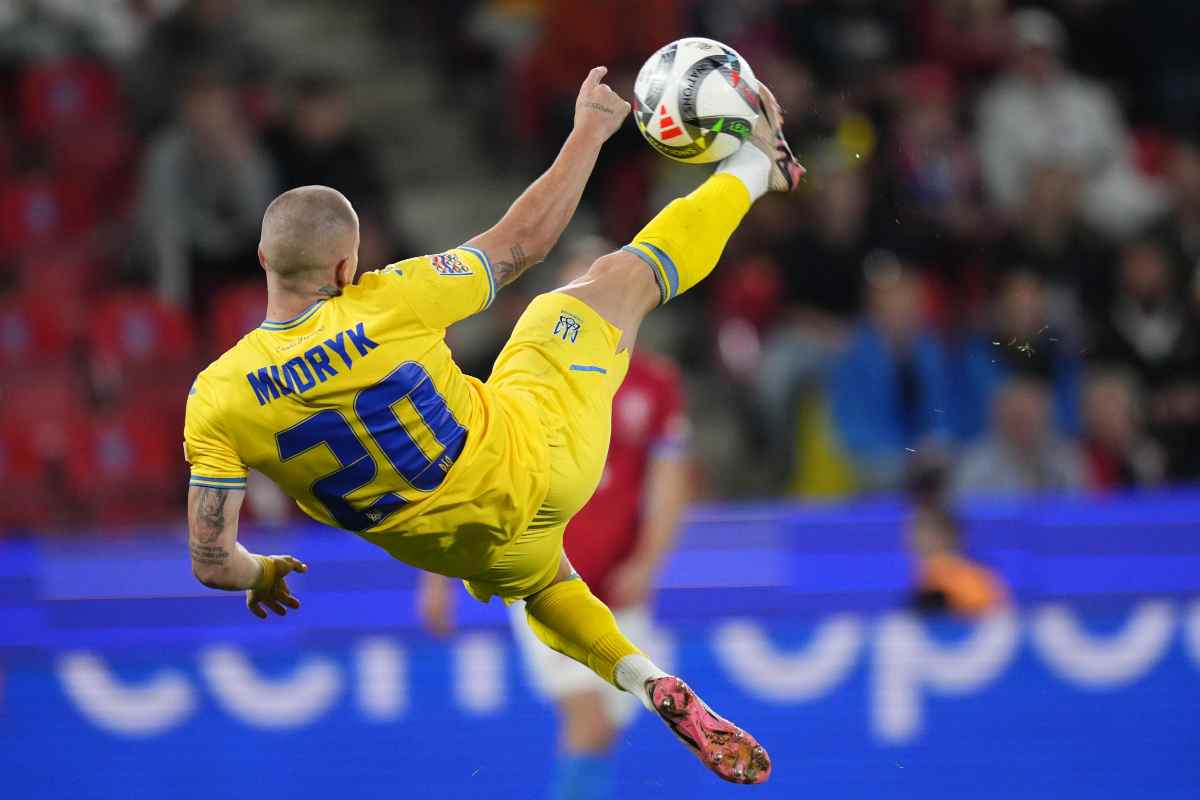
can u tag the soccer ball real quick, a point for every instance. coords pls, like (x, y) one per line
(695, 100)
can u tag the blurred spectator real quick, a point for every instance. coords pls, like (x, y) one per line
(115, 28)
(205, 184)
(1019, 340)
(1048, 237)
(200, 32)
(1118, 453)
(317, 144)
(1021, 456)
(1180, 230)
(1152, 331)
(1150, 327)
(821, 271)
(969, 36)
(1041, 113)
(946, 580)
(935, 169)
(823, 260)
(890, 390)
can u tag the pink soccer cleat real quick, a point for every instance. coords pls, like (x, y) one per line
(767, 136)
(723, 747)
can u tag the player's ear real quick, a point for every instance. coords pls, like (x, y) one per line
(344, 273)
(262, 258)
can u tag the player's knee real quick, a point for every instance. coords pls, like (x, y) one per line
(619, 268)
(619, 281)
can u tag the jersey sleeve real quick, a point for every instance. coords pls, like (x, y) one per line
(206, 446)
(442, 288)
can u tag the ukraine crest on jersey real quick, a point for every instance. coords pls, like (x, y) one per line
(357, 411)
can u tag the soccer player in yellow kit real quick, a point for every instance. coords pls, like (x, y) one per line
(348, 398)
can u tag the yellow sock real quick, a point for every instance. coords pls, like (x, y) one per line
(568, 618)
(682, 244)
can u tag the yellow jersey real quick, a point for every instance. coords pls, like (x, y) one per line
(356, 409)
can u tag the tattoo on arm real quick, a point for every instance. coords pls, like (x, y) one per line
(598, 107)
(210, 514)
(210, 554)
(208, 523)
(509, 270)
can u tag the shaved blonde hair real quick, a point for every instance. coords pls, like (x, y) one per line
(307, 232)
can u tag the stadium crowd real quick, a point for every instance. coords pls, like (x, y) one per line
(993, 270)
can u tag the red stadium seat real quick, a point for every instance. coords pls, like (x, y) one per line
(137, 340)
(127, 465)
(41, 394)
(236, 311)
(24, 477)
(61, 278)
(67, 96)
(39, 416)
(38, 210)
(35, 331)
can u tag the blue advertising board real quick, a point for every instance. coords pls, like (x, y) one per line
(122, 678)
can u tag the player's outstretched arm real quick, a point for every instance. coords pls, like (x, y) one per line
(219, 562)
(532, 225)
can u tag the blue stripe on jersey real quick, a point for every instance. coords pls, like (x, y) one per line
(294, 321)
(588, 368)
(668, 267)
(654, 270)
(207, 484)
(218, 480)
(487, 267)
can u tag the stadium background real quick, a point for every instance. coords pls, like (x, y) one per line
(975, 325)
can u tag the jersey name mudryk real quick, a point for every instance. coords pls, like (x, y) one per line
(356, 409)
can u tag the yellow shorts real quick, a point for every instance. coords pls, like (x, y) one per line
(561, 359)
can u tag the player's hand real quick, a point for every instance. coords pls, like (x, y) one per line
(271, 590)
(630, 583)
(599, 111)
(435, 605)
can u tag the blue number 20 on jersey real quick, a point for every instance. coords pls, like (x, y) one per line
(374, 406)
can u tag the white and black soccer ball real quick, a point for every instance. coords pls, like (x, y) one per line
(696, 100)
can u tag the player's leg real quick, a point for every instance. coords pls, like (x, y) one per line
(568, 355)
(585, 768)
(568, 618)
(682, 244)
(587, 715)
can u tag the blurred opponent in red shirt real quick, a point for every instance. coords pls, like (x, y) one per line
(617, 541)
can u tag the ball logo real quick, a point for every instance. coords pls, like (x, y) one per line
(667, 125)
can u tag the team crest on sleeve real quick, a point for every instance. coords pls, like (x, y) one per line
(567, 327)
(450, 264)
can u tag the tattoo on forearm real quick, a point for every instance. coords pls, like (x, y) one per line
(210, 514)
(509, 270)
(210, 554)
(598, 107)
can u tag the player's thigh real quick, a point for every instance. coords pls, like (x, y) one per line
(525, 566)
(621, 287)
(563, 358)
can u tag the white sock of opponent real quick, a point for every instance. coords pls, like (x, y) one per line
(631, 674)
